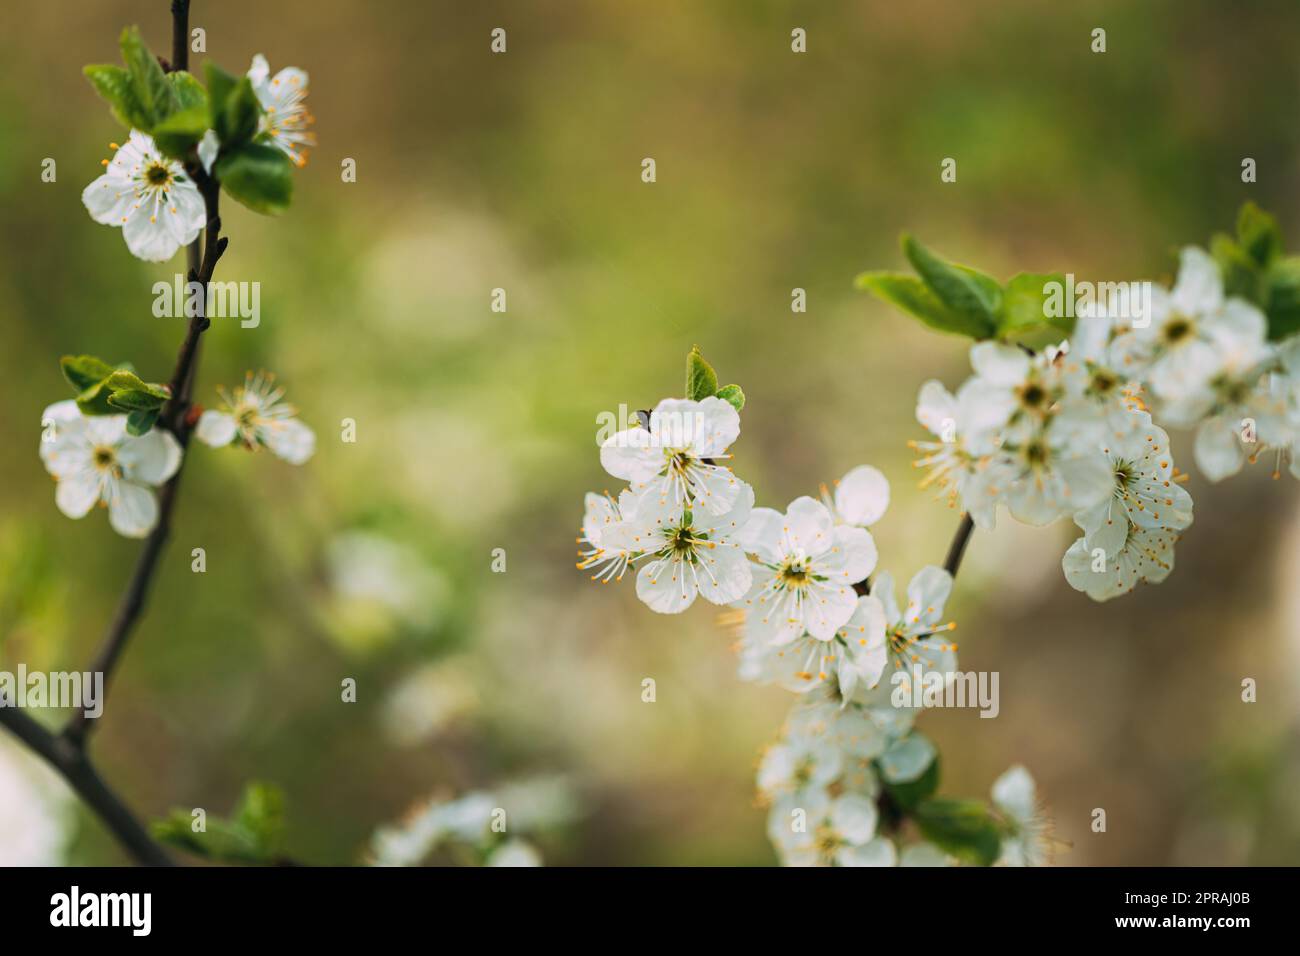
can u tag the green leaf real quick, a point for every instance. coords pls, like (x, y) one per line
(964, 828)
(113, 84)
(83, 371)
(1025, 303)
(261, 813)
(178, 133)
(701, 380)
(962, 289)
(156, 96)
(1283, 294)
(132, 400)
(220, 85)
(910, 294)
(252, 835)
(126, 380)
(260, 177)
(188, 90)
(139, 423)
(1241, 274)
(240, 114)
(908, 795)
(733, 394)
(94, 400)
(1258, 234)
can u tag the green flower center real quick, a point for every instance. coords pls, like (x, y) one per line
(104, 457)
(1033, 395)
(1177, 329)
(796, 572)
(157, 175)
(1037, 453)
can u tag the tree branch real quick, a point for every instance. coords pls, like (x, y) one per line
(180, 34)
(957, 550)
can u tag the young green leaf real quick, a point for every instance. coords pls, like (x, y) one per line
(1258, 234)
(126, 380)
(94, 400)
(1027, 301)
(1241, 274)
(83, 371)
(139, 423)
(261, 813)
(240, 114)
(189, 91)
(156, 96)
(182, 130)
(1283, 293)
(220, 85)
(914, 297)
(252, 835)
(113, 84)
(701, 380)
(961, 288)
(734, 395)
(964, 828)
(132, 400)
(260, 177)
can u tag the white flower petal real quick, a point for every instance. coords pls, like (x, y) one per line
(632, 455)
(216, 428)
(723, 574)
(290, 440)
(665, 586)
(77, 493)
(809, 526)
(150, 459)
(907, 759)
(877, 852)
(999, 364)
(854, 818)
(1013, 793)
(1218, 451)
(132, 509)
(862, 496)
(1199, 288)
(851, 558)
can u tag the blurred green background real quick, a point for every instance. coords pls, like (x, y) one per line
(476, 430)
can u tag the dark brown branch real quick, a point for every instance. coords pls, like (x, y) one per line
(957, 550)
(180, 34)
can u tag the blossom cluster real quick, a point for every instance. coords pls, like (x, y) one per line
(480, 827)
(1072, 431)
(96, 459)
(156, 203)
(812, 619)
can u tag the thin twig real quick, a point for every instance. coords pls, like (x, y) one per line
(957, 549)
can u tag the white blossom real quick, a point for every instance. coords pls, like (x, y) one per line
(285, 118)
(148, 196)
(95, 461)
(676, 457)
(1027, 840)
(806, 571)
(256, 416)
(685, 551)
